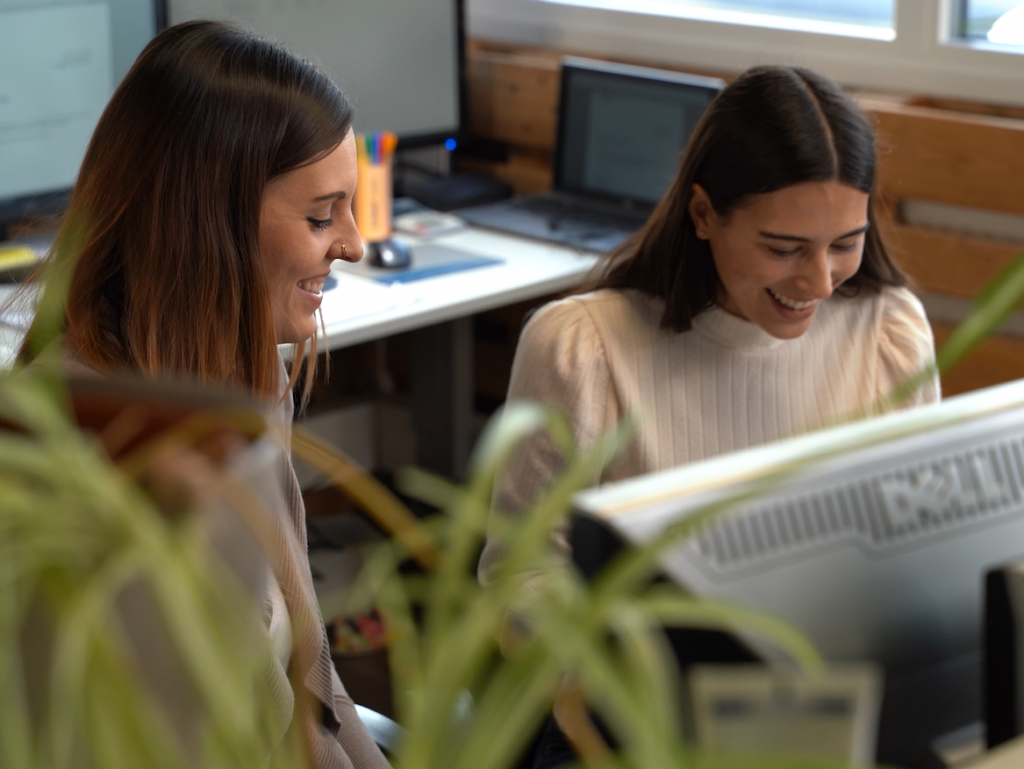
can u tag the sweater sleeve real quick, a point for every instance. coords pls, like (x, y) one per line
(335, 735)
(906, 346)
(356, 741)
(560, 362)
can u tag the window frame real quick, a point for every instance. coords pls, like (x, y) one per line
(924, 58)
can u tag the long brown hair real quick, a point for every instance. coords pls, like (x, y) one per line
(158, 247)
(771, 128)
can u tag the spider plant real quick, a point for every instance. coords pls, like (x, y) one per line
(125, 638)
(560, 642)
(84, 538)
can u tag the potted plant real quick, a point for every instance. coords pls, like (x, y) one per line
(130, 633)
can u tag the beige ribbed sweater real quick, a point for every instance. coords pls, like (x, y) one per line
(724, 385)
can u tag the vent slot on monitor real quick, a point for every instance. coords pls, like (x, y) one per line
(890, 509)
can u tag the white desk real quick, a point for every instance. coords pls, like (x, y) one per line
(530, 269)
(438, 309)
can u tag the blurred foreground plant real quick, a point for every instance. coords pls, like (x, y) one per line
(81, 538)
(125, 640)
(521, 647)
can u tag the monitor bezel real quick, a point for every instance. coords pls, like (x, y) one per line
(414, 141)
(789, 471)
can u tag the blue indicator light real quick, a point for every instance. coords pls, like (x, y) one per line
(450, 144)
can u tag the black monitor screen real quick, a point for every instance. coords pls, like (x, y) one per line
(622, 130)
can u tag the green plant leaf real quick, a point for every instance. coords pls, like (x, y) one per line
(992, 307)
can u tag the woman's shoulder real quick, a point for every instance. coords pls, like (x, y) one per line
(559, 327)
(889, 322)
(890, 306)
(891, 325)
(576, 332)
(899, 302)
(598, 311)
(904, 331)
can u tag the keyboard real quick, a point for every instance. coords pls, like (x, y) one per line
(564, 211)
(558, 220)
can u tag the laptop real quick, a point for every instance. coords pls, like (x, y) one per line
(622, 131)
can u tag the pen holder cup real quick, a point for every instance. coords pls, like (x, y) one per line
(373, 201)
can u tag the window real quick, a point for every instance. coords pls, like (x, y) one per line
(875, 15)
(954, 49)
(997, 21)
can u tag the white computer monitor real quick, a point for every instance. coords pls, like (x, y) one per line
(400, 62)
(873, 540)
(60, 61)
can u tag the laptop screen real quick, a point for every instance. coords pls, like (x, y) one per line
(622, 129)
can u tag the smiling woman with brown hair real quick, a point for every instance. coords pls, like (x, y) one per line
(218, 182)
(757, 302)
(214, 195)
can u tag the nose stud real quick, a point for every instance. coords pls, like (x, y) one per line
(344, 251)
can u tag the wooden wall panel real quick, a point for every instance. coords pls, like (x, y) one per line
(526, 170)
(967, 160)
(513, 98)
(947, 263)
(967, 107)
(999, 359)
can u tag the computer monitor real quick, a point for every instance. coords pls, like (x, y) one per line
(400, 62)
(873, 539)
(622, 129)
(1003, 688)
(60, 61)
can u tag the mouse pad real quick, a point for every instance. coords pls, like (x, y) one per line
(429, 260)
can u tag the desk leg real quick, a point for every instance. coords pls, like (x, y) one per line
(442, 396)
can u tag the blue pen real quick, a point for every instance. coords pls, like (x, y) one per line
(371, 147)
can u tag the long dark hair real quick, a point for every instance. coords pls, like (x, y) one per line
(771, 128)
(159, 245)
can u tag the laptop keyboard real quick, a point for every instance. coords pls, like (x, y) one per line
(557, 221)
(563, 212)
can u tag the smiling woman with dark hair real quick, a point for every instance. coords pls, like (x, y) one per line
(214, 195)
(758, 301)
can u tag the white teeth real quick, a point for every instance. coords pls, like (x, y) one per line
(312, 286)
(792, 303)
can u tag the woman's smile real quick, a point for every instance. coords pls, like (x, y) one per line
(305, 224)
(780, 254)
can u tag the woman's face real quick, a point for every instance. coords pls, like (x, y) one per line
(782, 253)
(305, 224)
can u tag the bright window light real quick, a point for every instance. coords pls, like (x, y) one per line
(853, 18)
(997, 21)
(873, 13)
(953, 49)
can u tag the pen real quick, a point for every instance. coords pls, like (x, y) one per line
(390, 142)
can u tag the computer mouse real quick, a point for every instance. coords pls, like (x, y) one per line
(390, 254)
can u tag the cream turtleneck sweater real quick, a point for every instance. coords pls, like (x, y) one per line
(724, 385)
